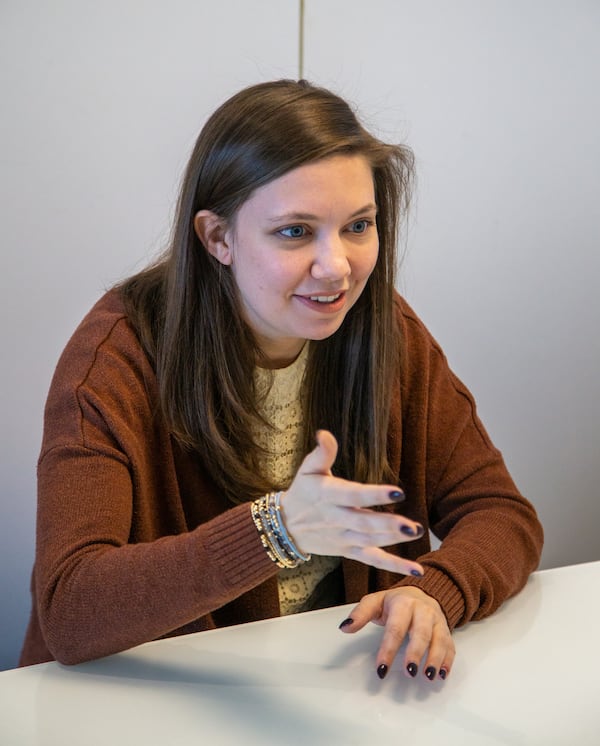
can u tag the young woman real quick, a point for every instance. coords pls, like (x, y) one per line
(258, 424)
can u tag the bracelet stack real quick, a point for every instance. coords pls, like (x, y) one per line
(278, 544)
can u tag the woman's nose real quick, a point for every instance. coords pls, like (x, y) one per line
(331, 260)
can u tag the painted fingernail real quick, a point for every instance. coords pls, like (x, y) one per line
(443, 673)
(430, 672)
(416, 573)
(346, 623)
(412, 669)
(410, 531)
(396, 495)
(382, 671)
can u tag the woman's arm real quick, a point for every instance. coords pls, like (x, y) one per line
(99, 593)
(491, 536)
(457, 484)
(133, 540)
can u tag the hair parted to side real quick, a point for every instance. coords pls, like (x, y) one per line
(187, 313)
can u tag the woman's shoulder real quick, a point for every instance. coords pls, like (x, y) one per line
(103, 353)
(423, 361)
(105, 314)
(102, 373)
(413, 332)
(104, 328)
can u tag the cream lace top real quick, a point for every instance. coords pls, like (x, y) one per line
(279, 396)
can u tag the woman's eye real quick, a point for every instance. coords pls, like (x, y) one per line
(360, 226)
(293, 231)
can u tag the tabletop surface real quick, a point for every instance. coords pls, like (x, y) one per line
(529, 675)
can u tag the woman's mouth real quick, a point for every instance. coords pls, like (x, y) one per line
(324, 303)
(325, 298)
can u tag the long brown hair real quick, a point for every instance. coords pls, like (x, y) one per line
(187, 313)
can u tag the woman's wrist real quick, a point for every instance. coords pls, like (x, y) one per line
(278, 544)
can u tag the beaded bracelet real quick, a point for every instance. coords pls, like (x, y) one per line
(278, 544)
(268, 538)
(285, 538)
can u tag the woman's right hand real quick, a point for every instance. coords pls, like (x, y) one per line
(330, 516)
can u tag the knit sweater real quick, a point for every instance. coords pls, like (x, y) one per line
(135, 542)
(279, 394)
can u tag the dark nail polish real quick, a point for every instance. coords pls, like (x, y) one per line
(430, 672)
(416, 532)
(416, 573)
(412, 669)
(396, 495)
(382, 671)
(443, 674)
(346, 622)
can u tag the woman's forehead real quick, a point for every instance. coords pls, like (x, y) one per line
(344, 179)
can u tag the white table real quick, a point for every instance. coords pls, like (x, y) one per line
(528, 675)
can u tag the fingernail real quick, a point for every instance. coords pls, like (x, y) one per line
(430, 672)
(443, 673)
(410, 531)
(396, 495)
(412, 669)
(416, 573)
(382, 671)
(346, 622)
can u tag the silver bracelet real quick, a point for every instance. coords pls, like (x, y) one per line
(278, 544)
(288, 543)
(263, 532)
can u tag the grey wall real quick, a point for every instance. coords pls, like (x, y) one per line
(101, 103)
(499, 100)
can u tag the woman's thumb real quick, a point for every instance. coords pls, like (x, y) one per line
(322, 457)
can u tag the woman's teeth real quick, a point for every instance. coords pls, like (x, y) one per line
(325, 298)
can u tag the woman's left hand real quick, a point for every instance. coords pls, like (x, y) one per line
(407, 612)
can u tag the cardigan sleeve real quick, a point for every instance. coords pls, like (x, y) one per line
(116, 563)
(491, 538)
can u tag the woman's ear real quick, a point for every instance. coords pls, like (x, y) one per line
(213, 234)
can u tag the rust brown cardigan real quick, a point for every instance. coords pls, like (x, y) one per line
(134, 542)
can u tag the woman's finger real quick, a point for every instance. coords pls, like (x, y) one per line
(421, 632)
(446, 665)
(357, 495)
(376, 557)
(368, 609)
(430, 647)
(440, 656)
(397, 627)
(384, 528)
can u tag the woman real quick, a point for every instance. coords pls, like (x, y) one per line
(180, 485)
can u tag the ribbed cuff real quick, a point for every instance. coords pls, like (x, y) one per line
(438, 585)
(235, 546)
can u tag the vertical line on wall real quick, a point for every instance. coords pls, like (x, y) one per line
(301, 41)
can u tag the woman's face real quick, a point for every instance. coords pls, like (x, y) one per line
(301, 250)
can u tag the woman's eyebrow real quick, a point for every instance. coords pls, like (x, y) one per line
(370, 207)
(290, 216)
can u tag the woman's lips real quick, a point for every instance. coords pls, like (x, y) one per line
(324, 303)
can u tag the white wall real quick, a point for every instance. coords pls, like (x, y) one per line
(499, 100)
(100, 103)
